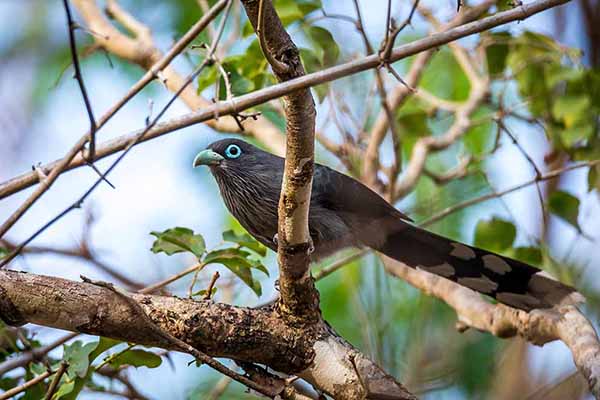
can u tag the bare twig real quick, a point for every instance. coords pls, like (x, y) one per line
(330, 269)
(460, 171)
(34, 354)
(547, 176)
(399, 95)
(211, 285)
(423, 146)
(9, 394)
(56, 380)
(278, 66)
(388, 44)
(79, 77)
(391, 120)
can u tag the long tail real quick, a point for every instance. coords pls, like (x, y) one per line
(509, 281)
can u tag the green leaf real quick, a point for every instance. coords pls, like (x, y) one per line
(177, 240)
(103, 345)
(76, 355)
(8, 383)
(497, 52)
(207, 77)
(565, 206)
(413, 123)
(495, 234)
(72, 393)
(35, 392)
(529, 255)
(575, 135)
(327, 50)
(288, 11)
(310, 60)
(64, 389)
(137, 358)
(3, 252)
(246, 241)
(308, 6)
(479, 139)
(38, 368)
(445, 78)
(571, 109)
(237, 261)
(312, 64)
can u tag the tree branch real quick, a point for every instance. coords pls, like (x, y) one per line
(400, 94)
(258, 97)
(314, 352)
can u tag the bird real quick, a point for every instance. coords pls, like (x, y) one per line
(346, 213)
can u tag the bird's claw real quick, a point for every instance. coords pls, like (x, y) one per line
(275, 240)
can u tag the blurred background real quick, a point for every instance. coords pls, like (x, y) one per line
(413, 336)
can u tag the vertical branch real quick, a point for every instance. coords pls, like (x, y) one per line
(298, 295)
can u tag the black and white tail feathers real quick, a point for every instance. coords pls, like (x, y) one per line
(509, 281)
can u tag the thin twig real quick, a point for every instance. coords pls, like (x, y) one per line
(330, 269)
(388, 45)
(79, 77)
(211, 285)
(9, 394)
(538, 173)
(153, 288)
(549, 175)
(56, 380)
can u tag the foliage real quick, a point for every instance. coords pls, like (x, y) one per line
(239, 261)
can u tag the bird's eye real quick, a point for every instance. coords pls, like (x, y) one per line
(233, 151)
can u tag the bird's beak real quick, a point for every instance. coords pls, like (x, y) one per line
(207, 157)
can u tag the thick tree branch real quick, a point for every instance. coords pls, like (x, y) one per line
(258, 97)
(220, 330)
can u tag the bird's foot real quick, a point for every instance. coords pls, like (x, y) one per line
(275, 240)
(311, 246)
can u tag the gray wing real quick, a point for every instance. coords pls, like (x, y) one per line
(347, 196)
(344, 213)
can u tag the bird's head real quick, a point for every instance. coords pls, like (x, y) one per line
(234, 155)
(224, 153)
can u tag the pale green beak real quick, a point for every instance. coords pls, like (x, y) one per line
(207, 157)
